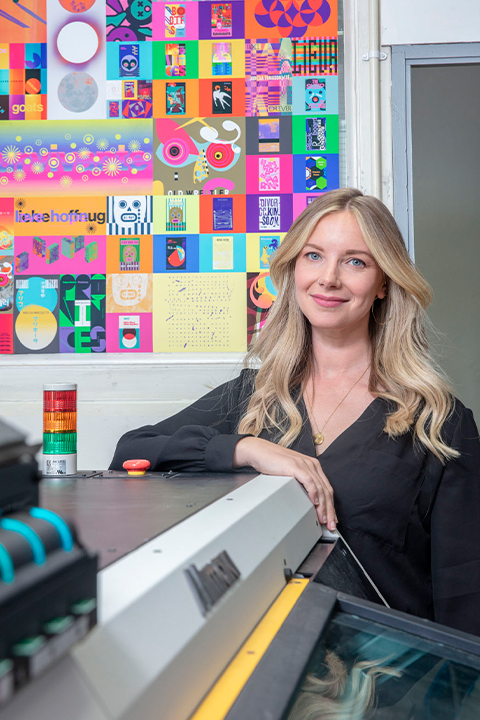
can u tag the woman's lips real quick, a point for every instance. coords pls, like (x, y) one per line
(328, 301)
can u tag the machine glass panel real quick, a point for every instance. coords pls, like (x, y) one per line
(363, 669)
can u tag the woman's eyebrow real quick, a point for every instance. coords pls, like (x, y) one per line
(347, 252)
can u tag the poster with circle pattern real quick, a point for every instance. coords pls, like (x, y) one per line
(153, 155)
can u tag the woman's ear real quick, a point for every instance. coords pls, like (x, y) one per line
(382, 292)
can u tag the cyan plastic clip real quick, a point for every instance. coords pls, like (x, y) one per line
(7, 571)
(38, 550)
(59, 523)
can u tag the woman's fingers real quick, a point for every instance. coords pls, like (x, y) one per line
(271, 459)
(319, 491)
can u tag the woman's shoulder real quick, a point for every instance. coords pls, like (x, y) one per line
(460, 424)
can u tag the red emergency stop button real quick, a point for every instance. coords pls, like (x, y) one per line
(136, 467)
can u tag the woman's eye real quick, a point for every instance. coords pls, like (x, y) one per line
(313, 255)
(356, 262)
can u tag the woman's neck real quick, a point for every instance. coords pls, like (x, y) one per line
(334, 356)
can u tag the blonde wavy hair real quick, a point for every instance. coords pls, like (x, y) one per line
(340, 695)
(402, 370)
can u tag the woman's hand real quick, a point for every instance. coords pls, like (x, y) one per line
(271, 459)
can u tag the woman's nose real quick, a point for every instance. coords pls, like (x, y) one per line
(329, 274)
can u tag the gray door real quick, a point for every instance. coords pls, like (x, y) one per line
(436, 163)
(445, 116)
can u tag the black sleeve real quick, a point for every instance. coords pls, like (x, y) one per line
(456, 532)
(200, 437)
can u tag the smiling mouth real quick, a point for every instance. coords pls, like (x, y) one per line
(326, 301)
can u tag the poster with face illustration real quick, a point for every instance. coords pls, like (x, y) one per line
(199, 154)
(129, 215)
(129, 293)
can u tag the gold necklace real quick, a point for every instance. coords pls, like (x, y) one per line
(318, 437)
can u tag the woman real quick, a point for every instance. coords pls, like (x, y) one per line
(348, 401)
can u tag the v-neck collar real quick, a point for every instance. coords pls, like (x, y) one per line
(304, 442)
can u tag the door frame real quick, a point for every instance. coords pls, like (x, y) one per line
(404, 57)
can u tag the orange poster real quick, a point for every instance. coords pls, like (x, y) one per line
(24, 22)
(59, 216)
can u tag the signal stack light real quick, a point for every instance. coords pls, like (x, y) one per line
(59, 429)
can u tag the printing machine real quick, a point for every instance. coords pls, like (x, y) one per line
(212, 604)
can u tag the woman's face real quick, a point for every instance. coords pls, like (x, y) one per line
(336, 277)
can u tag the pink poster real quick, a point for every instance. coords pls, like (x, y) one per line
(58, 254)
(129, 332)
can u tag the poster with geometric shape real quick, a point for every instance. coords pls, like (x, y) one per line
(129, 333)
(175, 60)
(315, 56)
(128, 20)
(221, 59)
(199, 313)
(268, 77)
(175, 253)
(36, 314)
(23, 81)
(203, 154)
(260, 297)
(42, 159)
(315, 173)
(129, 292)
(76, 62)
(53, 254)
(82, 313)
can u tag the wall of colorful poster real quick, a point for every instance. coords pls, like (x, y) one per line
(152, 157)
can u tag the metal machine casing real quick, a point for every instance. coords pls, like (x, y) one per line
(155, 652)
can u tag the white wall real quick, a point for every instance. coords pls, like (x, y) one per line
(405, 22)
(115, 394)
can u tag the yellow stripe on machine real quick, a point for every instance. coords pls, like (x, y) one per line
(221, 697)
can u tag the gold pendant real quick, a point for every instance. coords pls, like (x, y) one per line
(318, 438)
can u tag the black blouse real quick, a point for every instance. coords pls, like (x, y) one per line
(412, 522)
